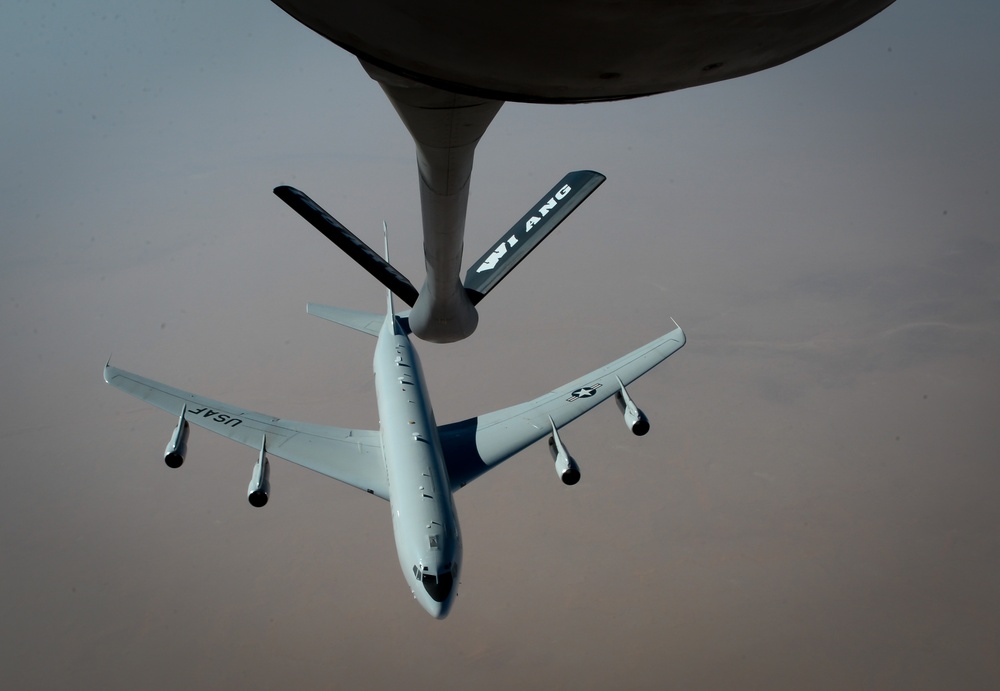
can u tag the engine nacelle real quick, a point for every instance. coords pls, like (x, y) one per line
(635, 419)
(173, 455)
(566, 467)
(259, 488)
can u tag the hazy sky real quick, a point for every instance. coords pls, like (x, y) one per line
(815, 506)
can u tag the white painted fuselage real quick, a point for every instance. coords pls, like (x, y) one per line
(424, 521)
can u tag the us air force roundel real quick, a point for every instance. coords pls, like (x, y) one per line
(584, 392)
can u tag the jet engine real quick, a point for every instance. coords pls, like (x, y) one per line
(635, 419)
(260, 482)
(566, 467)
(173, 455)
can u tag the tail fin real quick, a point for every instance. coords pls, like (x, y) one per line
(389, 312)
(357, 250)
(528, 233)
(365, 322)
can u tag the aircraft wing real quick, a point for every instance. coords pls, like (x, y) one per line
(473, 446)
(351, 456)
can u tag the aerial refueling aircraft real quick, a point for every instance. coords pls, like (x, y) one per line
(447, 66)
(506, 253)
(410, 460)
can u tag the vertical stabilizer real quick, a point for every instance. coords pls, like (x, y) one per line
(388, 291)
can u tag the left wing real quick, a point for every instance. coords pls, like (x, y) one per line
(351, 456)
(473, 446)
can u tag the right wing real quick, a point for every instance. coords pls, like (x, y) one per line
(351, 456)
(473, 446)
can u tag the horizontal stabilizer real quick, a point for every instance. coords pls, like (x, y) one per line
(365, 322)
(357, 250)
(527, 233)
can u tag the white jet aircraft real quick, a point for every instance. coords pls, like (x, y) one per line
(410, 461)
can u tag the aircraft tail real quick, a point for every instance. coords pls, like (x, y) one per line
(389, 311)
(365, 322)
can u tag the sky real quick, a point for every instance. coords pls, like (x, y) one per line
(813, 508)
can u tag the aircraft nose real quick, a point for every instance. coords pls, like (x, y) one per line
(438, 610)
(440, 588)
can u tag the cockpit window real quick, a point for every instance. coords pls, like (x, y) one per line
(438, 587)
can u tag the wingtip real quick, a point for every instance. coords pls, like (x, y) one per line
(107, 366)
(678, 328)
